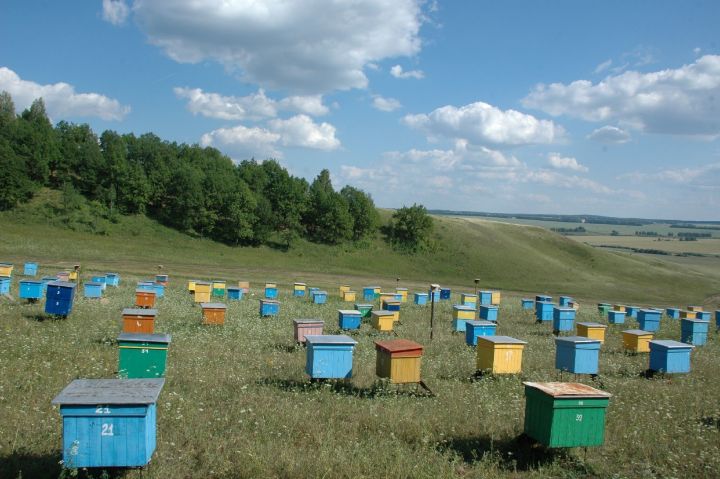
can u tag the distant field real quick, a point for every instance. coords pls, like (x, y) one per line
(701, 246)
(597, 229)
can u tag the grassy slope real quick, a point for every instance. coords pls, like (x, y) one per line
(503, 256)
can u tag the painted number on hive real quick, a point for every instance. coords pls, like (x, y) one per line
(102, 410)
(144, 351)
(107, 430)
(578, 417)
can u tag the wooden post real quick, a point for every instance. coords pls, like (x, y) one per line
(433, 289)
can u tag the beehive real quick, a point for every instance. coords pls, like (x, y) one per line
(6, 269)
(565, 414)
(488, 312)
(144, 299)
(139, 320)
(603, 308)
(142, 355)
(319, 297)
(694, 331)
(364, 309)
(619, 307)
(469, 299)
(30, 269)
(461, 314)
(349, 296)
(398, 360)
(162, 279)
(93, 290)
(203, 290)
(637, 340)
(74, 275)
(109, 422)
(382, 320)
(717, 319)
(369, 293)
(234, 294)
(245, 286)
(434, 296)
(191, 285)
(349, 319)
(391, 305)
(669, 356)
(45, 280)
(403, 292)
(421, 298)
(112, 279)
(616, 317)
(695, 308)
(632, 311)
(576, 354)
(542, 298)
(218, 289)
(445, 293)
(473, 329)
(649, 319)
(499, 354)
(376, 292)
(306, 327)
(592, 331)
(329, 356)
(485, 297)
(343, 288)
(527, 303)
(100, 280)
(673, 313)
(31, 290)
(702, 315)
(59, 298)
(387, 297)
(312, 291)
(213, 313)
(563, 319)
(299, 289)
(63, 276)
(543, 311)
(495, 298)
(564, 301)
(688, 315)
(269, 307)
(159, 290)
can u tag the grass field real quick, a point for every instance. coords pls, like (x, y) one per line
(701, 246)
(237, 402)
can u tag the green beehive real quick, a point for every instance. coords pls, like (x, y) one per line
(365, 309)
(565, 414)
(142, 355)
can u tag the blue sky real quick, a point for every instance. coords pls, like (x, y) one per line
(568, 107)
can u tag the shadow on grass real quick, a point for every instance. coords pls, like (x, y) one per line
(520, 453)
(40, 317)
(346, 387)
(287, 348)
(23, 464)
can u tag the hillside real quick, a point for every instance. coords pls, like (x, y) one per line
(503, 256)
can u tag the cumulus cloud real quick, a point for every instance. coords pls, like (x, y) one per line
(564, 162)
(709, 173)
(397, 72)
(682, 101)
(255, 106)
(243, 143)
(115, 11)
(300, 130)
(484, 124)
(307, 47)
(609, 134)
(61, 100)
(385, 104)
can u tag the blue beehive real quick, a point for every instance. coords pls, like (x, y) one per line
(31, 290)
(673, 313)
(319, 297)
(369, 293)
(485, 297)
(329, 356)
(616, 317)
(527, 303)
(544, 311)
(717, 319)
(445, 293)
(563, 319)
(702, 315)
(632, 312)
(543, 298)
(109, 422)
(271, 292)
(564, 300)
(112, 279)
(5, 282)
(93, 290)
(468, 299)
(269, 307)
(45, 280)
(649, 319)
(146, 286)
(488, 312)
(311, 291)
(577, 355)
(392, 305)
(462, 314)
(473, 329)
(159, 290)
(30, 269)
(421, 298)
(100, 280)
(694, 331)
(59, 298)
(349, 318)
(234, 294)
(434, 296)
(669, 356)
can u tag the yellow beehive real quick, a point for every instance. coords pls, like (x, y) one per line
(695, 308)
(499, 354)
(377, 290)
(73, 275)
(6, 269)
(218, 285)
(191, 285)
(592, 331)
(398, 360)
(349, 295)
(382, 320)
(495, 298)
(202, 291)
(403, 292)
(619, 307)
(387, 297)
(465, 312)
(637, 340)
(688, 315)
(299, 286)
(244, 285)
(344, 288)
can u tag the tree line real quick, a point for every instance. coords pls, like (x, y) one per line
(194, 189)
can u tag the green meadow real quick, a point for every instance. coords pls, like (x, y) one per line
(237, 402)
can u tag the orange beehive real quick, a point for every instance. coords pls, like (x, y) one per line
(139, 320)
(213, 313)
(144, 298)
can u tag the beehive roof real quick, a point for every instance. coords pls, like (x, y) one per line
(213, 305)
(329, 339)
(398, 345)
(110, 391)
(501, 340)
(144, 337)
(568, 390)
(62, 284)
(576, 339)
(139, 312)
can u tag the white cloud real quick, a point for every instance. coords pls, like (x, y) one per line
(115, 11)
(706, 174)
(397, 72)
(385, 104)
(61, 100)
(609, 134)
(309, 104)
(603, 66)
(480, 123)
(697, 50)
(680, 101)
(564, 162)
(300, 130)
(312, 47)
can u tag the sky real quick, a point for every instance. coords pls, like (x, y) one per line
(536, 106)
